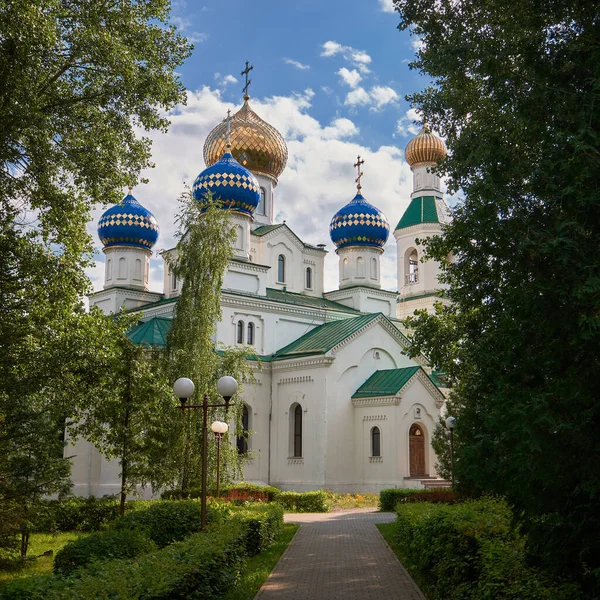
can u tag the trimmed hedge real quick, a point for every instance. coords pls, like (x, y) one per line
(390, 497)
(243, 491)
(102, 545)
(470, 551)
(304, 502)
(204, 565)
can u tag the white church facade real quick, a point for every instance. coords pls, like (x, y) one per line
(336, 404)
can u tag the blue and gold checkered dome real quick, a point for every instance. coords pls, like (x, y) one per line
(229, 182)
(128, 224)
(359, 224)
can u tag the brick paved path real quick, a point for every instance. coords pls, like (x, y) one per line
(339, 555)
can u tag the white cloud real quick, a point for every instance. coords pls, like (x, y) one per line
(196, 37)
(359, 58)
(295, 63)
(417, 43)
(386, 6)
(358, 97)
(317, 182)
(351, 78)
(406, 125)
(382, 95)
(224, 80)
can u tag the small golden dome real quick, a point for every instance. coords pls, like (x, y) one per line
(425, 148)
(255, 144)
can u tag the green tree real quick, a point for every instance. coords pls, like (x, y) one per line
(203, 253)
(79, 80)
(516, 93)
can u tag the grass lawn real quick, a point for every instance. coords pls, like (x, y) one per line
(258, 567)
(388, 531)
(38, 544)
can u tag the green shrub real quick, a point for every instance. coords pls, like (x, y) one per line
(390, 497)
(471, 551)
(242, 491)
(444, 496)
(304, 502)
(102, 545)
(164, 522)
(204, 565)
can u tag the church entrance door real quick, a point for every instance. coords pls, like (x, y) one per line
(416, 451)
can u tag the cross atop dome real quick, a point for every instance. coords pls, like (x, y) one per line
(245, 72)
(358, 164)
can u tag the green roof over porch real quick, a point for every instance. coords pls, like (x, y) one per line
(385, 383)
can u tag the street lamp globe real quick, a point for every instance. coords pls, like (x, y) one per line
(219, 427)
(450, 423)
(183, 388)
(227, 387)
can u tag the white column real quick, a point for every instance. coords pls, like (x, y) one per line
(359, 265)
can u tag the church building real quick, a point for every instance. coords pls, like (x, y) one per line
(336, 404)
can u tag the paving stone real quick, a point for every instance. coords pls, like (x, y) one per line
(339, 555)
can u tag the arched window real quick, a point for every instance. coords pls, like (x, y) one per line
(375, 442)
(261, 204)
(138, 269)
(360, 267)
(109, 269)
(239, 238)
(122, 273)
(147, 271)
(345, 269)
(411, 266)
(374, 268)
(240, 332)
(242, 438)
(173, 280)
(281, 268)
(250, 338)
(298, 431)
(309, 278)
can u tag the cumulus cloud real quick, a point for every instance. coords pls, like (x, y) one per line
(224, 80)
(382, 95)
(358, 97)
(295, 63)
(386, 6)
(350, 77)
(359, 58)
(317, 182)
(406, 125)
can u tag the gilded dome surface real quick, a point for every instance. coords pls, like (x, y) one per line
(425, 148)
(255, 144)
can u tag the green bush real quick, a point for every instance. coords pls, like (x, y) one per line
(243, 491)
(304, 502)
(390, 497)
(102, 545)
(164, 522)
(470, 551)
(204, 565)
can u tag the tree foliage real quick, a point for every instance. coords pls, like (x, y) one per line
(79, 80)
(516, 93)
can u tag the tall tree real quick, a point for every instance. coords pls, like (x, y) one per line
(79, 80)
(516, 93)
(203, 253)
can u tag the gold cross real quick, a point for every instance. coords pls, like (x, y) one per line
(248, 81)
(357, 164)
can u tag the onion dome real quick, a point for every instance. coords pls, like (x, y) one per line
(128, 224)
(229, 182)
(255, 144)
(425, 148)
(359, 223)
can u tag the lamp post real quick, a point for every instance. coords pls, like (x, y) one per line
(219, 428)
(183, 388)
(450, 424)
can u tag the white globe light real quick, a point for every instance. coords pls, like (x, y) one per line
(224, 427)
(450, 422)
(216, 426)
(184, 388)
(227, 386)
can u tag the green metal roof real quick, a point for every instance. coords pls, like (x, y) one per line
(303, 300)
(323, 338)
(420, 210)
(264, 229)
(153, 332)
(385, 383)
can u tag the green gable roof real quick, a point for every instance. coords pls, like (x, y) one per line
(153, 332)
(303, 300)
(263, 229)
(385, 383)
(323, 338)
(420, 210)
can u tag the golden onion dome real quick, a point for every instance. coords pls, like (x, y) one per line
(425, 148)
(255, 144)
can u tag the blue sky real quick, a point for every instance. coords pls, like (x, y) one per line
(331, 75)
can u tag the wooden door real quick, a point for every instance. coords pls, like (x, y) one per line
(416, 451)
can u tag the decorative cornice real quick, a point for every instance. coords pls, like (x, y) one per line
(365, 289)
(132, 292)
(248, 266)
(376, 459)
(375, 418)
(358, 249)
(302, 363)
(294, 380)
(376, 401)
(429, 386)
(295, 461)
(294, 239)
(128, 249)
